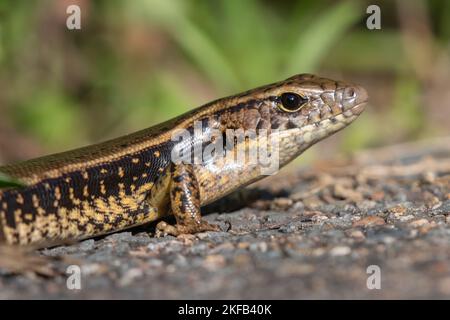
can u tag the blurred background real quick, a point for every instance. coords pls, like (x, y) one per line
(136, 63)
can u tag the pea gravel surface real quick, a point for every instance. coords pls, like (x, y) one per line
(374, 226)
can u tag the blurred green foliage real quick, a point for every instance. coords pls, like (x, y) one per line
(8, 182)
(136, 63)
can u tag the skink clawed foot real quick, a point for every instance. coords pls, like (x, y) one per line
(185, 204)
(163, 228)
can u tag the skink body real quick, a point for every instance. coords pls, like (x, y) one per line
(134, 179)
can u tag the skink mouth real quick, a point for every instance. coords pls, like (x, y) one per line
(361, 100)
(359, 108)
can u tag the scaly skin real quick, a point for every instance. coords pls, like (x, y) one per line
(132, 180)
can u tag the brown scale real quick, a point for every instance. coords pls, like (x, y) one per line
(131, 180)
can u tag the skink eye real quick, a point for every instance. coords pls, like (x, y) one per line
(291, 102)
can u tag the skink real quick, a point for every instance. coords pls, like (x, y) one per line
(135, 179)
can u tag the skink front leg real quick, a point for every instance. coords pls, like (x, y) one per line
(185, 203)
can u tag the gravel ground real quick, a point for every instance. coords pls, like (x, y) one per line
(309, 233)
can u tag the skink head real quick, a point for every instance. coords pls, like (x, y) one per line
(299, 111)
(322, 98)
(304, 100)
(297, 102)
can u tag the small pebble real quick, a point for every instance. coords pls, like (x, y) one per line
(318, 218)
(282, 203)
(357, 234)
(87, 245)
(406, 218)
(340, 251)
(213, 262)
(369, 222)
(130, 275)
(397, 211)
(243, 245)
(227, 246)
(418, 223)
(202, 235)
(259, 246)
(155, 263)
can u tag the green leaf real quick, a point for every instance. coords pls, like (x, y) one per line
(52, 117)
(194, 41)
(316, 39)
(9, 182)
(355, 53)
